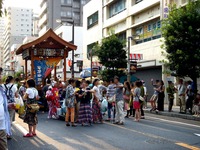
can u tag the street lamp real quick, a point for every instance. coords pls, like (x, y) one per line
(134, 38)
(72, 23)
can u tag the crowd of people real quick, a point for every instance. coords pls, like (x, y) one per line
(85, 102)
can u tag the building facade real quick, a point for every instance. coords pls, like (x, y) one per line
(65, 32)
(127, 18)
(63, 10)
(18, 25)
(2, 28)
(35, 30)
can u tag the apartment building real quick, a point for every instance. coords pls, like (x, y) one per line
(18, 25)
(63, 10)
(127, 18)
(2, 28)
(65, 32)
(35, 30)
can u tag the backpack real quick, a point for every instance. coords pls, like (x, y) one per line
(9, 94)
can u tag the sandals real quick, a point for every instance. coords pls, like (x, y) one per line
(74, 125)
(34, 134)
(67, 124)
(28, 135)
(9, 137)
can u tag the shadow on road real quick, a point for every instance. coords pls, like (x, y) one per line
(18, 142)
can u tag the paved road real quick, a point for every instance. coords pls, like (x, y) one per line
(153, 133)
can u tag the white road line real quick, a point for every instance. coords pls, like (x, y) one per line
(23, 130)
(175, 122)
(196, 134)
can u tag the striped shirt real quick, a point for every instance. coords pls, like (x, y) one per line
(110, 90)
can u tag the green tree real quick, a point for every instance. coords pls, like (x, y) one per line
(181, 31)
(112, 55)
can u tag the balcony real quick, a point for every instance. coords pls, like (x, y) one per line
(42, 20)
(145, 4)
(107, 2)
(116, 19)
(43, 30)
(43, 9)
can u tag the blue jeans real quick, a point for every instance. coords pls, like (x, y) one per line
(110, 111)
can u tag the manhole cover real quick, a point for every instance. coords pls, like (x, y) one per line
(157, 141)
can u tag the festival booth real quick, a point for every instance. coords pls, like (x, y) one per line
(45, 53)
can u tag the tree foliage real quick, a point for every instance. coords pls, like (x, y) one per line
(112, 55)
(181, 31)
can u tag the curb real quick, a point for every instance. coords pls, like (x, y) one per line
(177, 115)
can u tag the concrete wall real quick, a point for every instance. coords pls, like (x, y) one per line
(94, 34)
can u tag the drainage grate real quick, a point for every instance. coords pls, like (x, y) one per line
(158, 141)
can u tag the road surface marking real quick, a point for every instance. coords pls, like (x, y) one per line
(156, 137)
(24, 131)
(172, 124)
(196, 134)
(188, 146)
(145, 134)
(175, 122)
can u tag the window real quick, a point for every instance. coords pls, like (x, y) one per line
(92, 20)
(76, 15)
(149, 28)
(69, 13)
(64, 2)
(117, 7)
(138, 1)
(89, 48)
(83, 2)
(76, 4)
(154, 26)
(158, 24)
(122, 36)
(22, 25)
(63, 14)
(139, 31)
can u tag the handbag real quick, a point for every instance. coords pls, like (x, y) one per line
(141, 99)
(112, 99)
(33, 108)
(67, 101)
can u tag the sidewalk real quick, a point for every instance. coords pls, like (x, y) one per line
(175, 113)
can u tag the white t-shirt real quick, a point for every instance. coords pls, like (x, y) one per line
(32, 92)
(2, 115)
(97, 92)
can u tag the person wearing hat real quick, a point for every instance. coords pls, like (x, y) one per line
(170, 91)
(4, 119)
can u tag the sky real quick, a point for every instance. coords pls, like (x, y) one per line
(34, 4)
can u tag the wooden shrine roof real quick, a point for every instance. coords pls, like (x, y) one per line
(49, 40)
